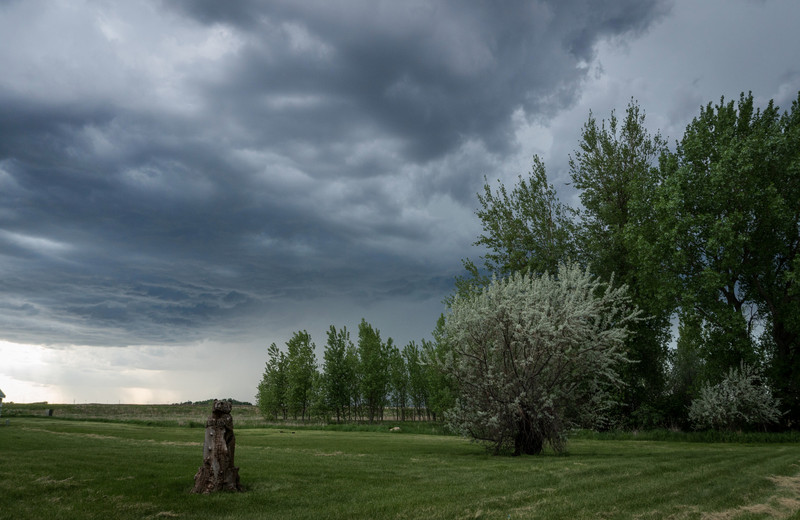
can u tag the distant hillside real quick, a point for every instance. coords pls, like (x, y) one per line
(151, 414)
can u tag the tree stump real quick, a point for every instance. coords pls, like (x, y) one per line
(218, 472)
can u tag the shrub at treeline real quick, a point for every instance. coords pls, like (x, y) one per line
(702, 239)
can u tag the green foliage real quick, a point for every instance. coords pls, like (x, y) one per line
(398, 381)
(271, 397)
(740, 400)
(615, 169)
(526, 230)
(353, 365)
(686, 372)
(374, 369)
(441, 385)
(729, 212)
(301, 369)
(418, 387)
(534, 355)
(339, 372)
(317, 401)
(357, 382)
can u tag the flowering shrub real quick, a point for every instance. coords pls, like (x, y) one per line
(740, 400)
(533, 355)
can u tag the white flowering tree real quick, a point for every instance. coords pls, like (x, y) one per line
(740, 400)
(533, 355)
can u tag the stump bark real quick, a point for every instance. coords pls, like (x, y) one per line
(218, 472)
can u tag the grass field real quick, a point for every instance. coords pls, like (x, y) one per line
(61, 469)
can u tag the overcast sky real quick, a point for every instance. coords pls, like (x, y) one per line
(183, 183)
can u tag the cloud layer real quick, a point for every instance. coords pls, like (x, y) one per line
(176, 171)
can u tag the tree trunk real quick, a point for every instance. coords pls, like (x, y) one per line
(527, 440)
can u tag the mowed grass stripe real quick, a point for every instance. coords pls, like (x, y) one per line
(69, 469)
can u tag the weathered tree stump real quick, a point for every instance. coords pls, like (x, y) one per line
(218, 472)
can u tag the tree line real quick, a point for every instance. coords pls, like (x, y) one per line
(704, 234)
(363, 381)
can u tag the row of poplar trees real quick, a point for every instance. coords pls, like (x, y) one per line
(356, 381)
(704, 232)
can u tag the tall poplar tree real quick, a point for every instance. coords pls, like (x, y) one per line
(615, 169)
(272, 388)
(441, 386)
(526, 229)
(418, 389)
(374, 369)
(301, 367)
(339, 374)
(398, 380)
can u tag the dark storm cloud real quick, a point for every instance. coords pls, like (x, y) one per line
(430, 74)
(154, 192)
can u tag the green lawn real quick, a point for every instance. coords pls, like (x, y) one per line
(60, 469)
